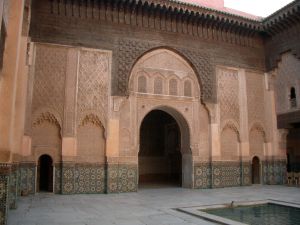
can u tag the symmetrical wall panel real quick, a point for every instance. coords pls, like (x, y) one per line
(92, 103)
(49, 78)
(255, 98)
(92, 83)
(228, 95)
(228, 98)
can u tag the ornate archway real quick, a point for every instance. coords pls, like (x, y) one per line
(164, 153)
(45, 173)
(163, 80)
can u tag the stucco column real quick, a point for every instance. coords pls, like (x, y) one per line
(244, 130)
(70, 123)
(26, 143)
(8, 102)
(112, 153)
(69, 143)
(215, 144)
(276, 155)
(8, 84)
(20, 103)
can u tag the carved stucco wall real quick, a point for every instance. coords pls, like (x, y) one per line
(163, 72)
(256, 143)
(169, 67)
(228, 96)
(69, 93)
(259, 126)
(93, 84)
(92, 105)
(131, 50)
(46, 137)
(49, 80)
(48, 100)
(255, 98)
(229, 144)
(229, 109)
(288, 76)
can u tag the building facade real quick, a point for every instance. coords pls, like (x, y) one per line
(108, 96)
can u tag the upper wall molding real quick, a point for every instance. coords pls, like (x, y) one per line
(175, 12)
(173, 17)
(282, 19)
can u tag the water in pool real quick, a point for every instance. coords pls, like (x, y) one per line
(266, 214)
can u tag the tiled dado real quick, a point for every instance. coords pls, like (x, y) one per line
(121, 178)
(202, 175)
(57, 178)
(247, 173)
(13, 186)
(226, 174)
(81, 178)
(274, 172)
(5, 171)
(27, 178)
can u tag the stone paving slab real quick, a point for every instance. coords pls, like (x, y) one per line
(146, 207)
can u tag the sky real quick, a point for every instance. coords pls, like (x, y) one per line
(257, 7)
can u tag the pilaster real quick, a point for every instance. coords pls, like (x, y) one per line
(245, 164)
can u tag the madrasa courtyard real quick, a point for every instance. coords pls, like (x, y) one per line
(149, 206)
(148, 112)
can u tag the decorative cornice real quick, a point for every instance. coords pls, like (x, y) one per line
(196, 21)
(126, 11)
(282, 19)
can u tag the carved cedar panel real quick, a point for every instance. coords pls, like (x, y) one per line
(92, 83)
(49, 79)
(131, 50)
(255, 98)
(288, 76)
(228, 94)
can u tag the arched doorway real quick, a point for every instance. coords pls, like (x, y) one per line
(160, 150)
(255, 170)
(45, 176)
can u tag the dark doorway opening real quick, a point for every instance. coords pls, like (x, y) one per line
(45, 170)
(160, 158)
(255, 170)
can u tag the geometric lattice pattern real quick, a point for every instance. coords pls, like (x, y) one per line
(49, 78)
(228, 95)
(92, 82)
(255, 98)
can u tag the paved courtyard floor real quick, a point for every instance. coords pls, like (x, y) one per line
(151, 206)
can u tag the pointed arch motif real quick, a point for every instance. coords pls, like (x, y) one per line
(258, 126)
(46, 117)
(93, 119)
(230, 124)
